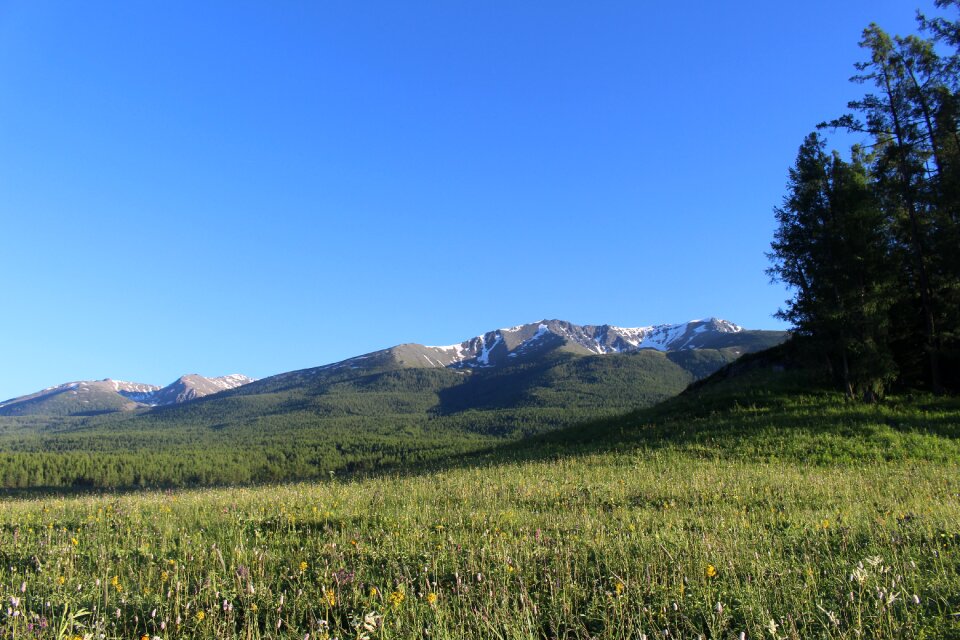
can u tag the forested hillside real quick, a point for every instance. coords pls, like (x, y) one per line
(340, 420)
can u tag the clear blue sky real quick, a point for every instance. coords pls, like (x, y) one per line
(257, 187)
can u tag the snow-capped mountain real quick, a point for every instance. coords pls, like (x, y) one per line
(502, 345)
(99, 396)
(513, 342)
(527, 341)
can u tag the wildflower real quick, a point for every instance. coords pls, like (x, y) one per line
(916, 599)
(144, 637)
(115, 582)
(200, 616)
(61, 580)
(74, 541)
(431, 598)
(330, 597)
(824, 524)
(373, 592)
(397, 598)
(303, 567)
(710, 571)
(370, 621)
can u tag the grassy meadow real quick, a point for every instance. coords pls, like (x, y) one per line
(614, 531)
(608, 532)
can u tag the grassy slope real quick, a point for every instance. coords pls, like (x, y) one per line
(756, 505)
(776, 416)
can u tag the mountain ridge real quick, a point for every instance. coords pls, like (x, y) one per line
(98, 396)
(490, 348)
(500, 348)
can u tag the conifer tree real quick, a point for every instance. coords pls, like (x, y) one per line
(831, 247)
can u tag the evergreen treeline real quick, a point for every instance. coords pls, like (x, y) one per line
(870, 244)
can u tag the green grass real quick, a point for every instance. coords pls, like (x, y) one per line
(820, 519)
(762, 416)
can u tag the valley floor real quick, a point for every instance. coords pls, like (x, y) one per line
(626, 544)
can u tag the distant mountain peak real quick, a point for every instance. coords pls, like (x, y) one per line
(97, 396)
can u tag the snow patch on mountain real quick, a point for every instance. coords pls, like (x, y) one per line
(484, 357)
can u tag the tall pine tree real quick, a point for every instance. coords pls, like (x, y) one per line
(831, 248)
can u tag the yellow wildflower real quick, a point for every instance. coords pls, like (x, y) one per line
(200, 616)
(397, 598)
(431, 598)
(330, 597)
(74, 541)
(710, 571)
(303, 566)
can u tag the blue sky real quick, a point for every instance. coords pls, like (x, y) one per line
(259, 187)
